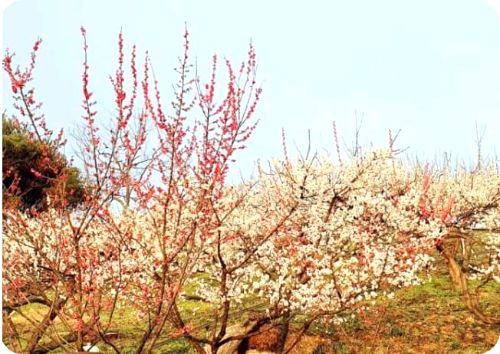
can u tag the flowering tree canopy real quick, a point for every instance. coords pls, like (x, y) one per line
(159, 225)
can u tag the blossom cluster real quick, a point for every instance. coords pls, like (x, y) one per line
(307, 236)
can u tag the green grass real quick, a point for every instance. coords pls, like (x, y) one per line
(430, 318)
(177, 347)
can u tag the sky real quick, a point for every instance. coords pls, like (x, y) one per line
(429, 68)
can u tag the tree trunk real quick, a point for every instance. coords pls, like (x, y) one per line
(284, 333)
(460, 282)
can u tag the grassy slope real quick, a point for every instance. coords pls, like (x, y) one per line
(430, 318)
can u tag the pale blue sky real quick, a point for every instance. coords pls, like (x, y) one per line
(430, 68)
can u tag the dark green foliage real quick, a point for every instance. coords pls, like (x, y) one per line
(395, 331)
(352, 325)
(32, 170)
(340, 348)
(329, 347)
(319, 349)
(177, 347)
